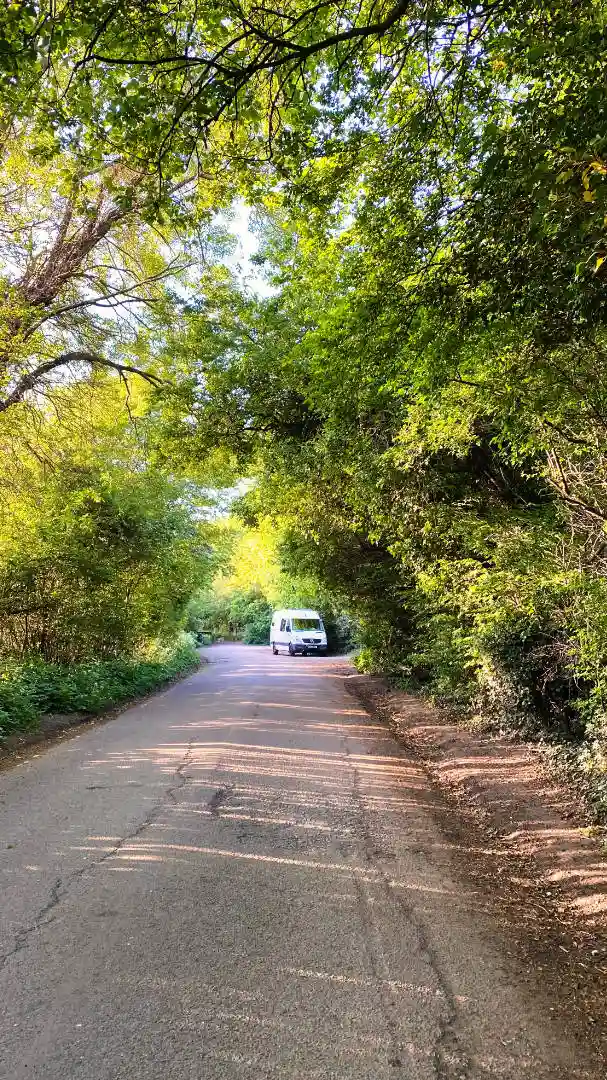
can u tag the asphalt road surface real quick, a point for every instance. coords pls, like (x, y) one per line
(244, 878)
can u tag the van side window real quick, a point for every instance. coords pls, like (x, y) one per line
(282, 624)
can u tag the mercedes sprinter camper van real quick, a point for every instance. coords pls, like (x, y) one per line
(298, 630)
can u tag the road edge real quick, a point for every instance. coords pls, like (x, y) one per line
(55, 728)
(536, 895)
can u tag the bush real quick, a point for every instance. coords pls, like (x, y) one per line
(257, 632)
(342, 633)
(18, 707)
(34, 688)
(238, 616)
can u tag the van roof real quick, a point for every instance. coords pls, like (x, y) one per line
(303, 613)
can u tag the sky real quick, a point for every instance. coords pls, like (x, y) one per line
(239, 223)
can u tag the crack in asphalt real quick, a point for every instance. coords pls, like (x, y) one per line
(449, 1061)
(381, 973)
(219, 797)
(61, 888)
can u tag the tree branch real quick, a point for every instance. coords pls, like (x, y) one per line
(293, 51)
(29, 381)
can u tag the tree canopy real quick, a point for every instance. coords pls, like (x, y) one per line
(421, 396)
(417, 393)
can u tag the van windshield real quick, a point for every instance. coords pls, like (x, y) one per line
(307, 624)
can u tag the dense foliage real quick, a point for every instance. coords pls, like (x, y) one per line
(99, 551)
(422, 394)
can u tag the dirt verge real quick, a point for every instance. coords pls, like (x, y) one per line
(520, 835)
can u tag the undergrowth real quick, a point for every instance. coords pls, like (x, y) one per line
(31, 689)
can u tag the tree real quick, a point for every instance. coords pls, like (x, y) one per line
(100, 553)
(423, 397)
(79, 271)
(164, 85)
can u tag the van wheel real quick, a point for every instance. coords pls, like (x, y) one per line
(274, 649)
(291, 650)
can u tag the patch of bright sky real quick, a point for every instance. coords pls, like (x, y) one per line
(221, 499)
(238, 222)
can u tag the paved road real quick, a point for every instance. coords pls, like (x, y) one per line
(244, 878)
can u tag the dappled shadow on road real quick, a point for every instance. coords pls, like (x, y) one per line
(534, 816)
(275, 809)
(506, 789)
(262, 916)
(516, 835)
(268, 826)
(290, 779)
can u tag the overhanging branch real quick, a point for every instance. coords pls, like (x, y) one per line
(32, 379)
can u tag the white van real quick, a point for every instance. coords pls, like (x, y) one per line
(298, 630)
